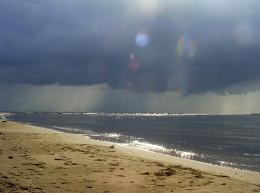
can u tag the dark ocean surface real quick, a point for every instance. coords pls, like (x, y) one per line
(227, 140)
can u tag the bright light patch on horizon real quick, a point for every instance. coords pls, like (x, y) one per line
(147, 8)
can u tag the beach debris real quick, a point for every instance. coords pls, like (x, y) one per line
(10, 157)
(165, 172)
(145, 173)
(112, 146)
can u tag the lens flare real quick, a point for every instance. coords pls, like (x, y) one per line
(134, 64)
(142, 39)
(186, 47)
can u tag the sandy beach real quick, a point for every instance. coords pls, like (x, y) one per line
(34, 159)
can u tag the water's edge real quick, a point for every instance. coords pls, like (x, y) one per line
(128, 140)
(143, 146)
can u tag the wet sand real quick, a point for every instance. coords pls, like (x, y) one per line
(34, 159)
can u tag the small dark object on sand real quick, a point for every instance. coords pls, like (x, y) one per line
(10, 157)
(165, 172)
(3, 121)
(112, 146)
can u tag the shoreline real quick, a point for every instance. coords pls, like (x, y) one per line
(236, 173)
(148, 153)
(122, 145)
(73, 160)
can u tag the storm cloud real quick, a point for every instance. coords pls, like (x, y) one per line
(145, 46)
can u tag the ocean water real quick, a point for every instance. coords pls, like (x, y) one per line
(226, 140)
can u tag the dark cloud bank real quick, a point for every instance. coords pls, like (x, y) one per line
(182, 46)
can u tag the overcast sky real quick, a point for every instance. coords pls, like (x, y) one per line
(130, 55)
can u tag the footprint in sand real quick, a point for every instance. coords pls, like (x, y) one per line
(160, 184)
(13, 149)
(112, 169)
(5, 177)
(100, 160)
(98, 171)
(165, 172)
(60, 168)
(207, 183)
(90, 181)
(38, 164)
(26, 156)
(59, 159)
(25, 188)
(70, 163)
(159, 164)
(114, 164)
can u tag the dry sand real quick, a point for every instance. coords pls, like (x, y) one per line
(34, 159)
